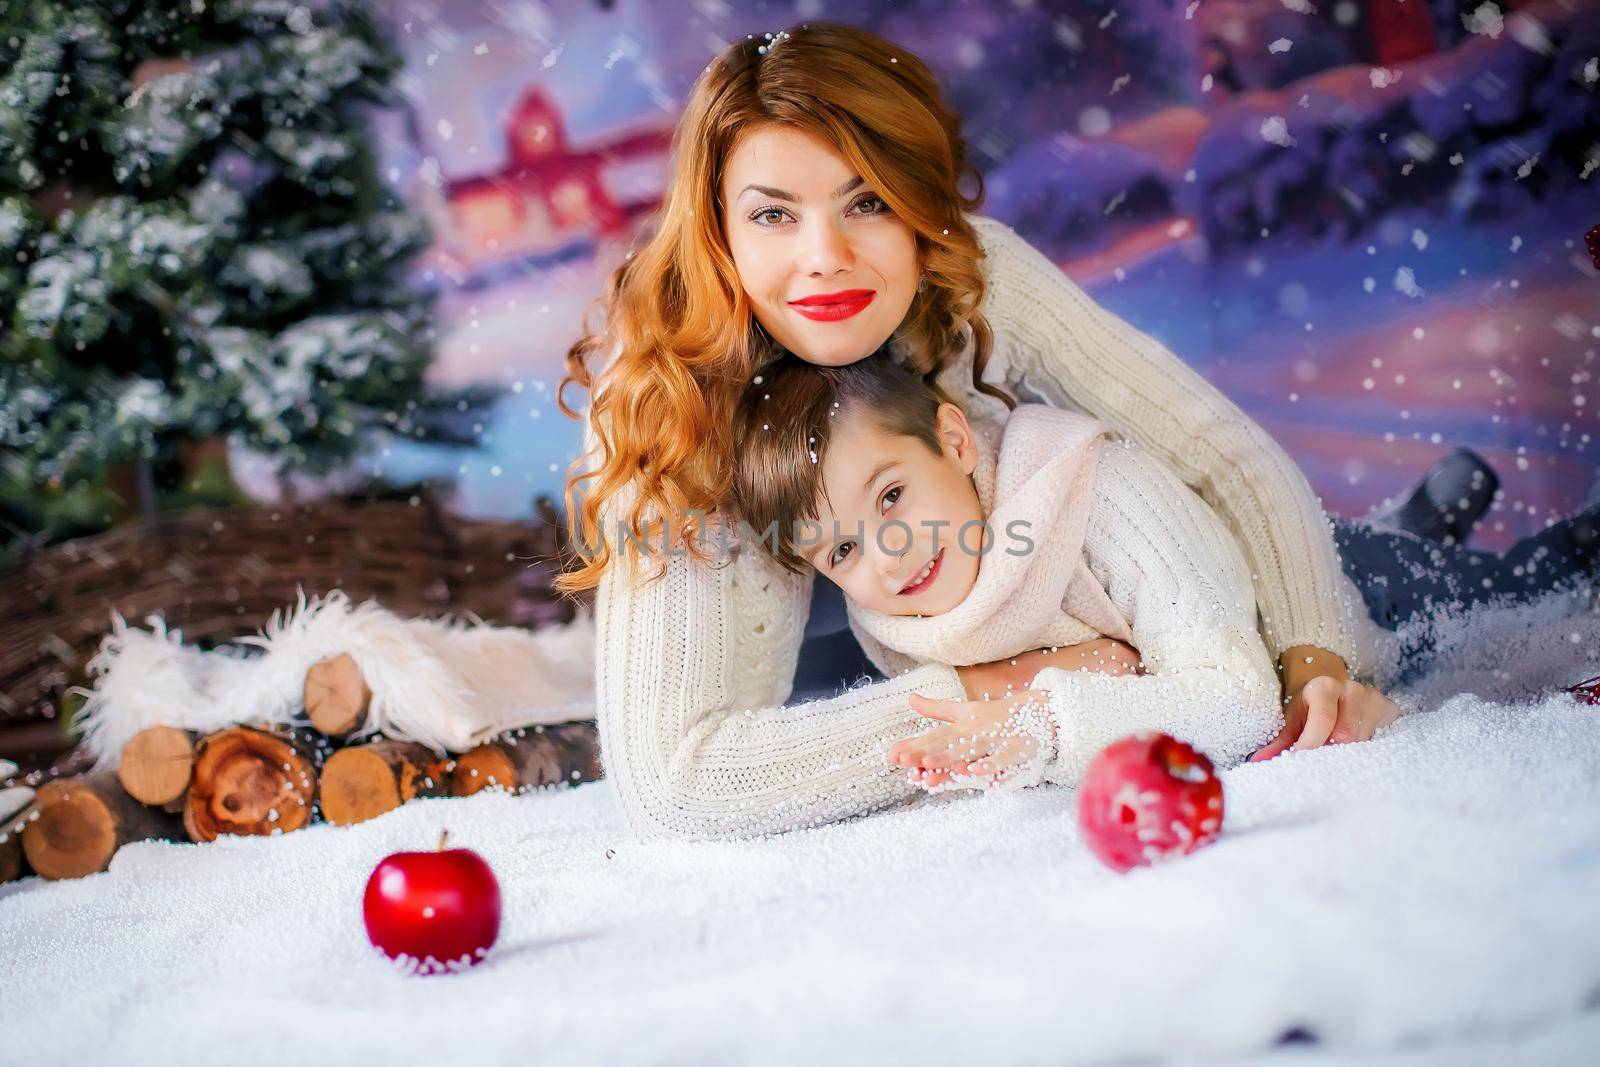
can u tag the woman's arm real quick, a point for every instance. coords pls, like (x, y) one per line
(1064, 347)
(691, 671)
(1175, 573)
(690, 758)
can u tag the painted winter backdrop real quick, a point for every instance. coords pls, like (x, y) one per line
(1362, 219)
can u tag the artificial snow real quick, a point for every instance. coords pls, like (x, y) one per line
(1425, 897)
(1276, 130)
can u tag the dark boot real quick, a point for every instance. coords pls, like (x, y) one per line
(1452, 496)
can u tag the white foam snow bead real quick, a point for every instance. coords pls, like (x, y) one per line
(8, 770)
(445, 683)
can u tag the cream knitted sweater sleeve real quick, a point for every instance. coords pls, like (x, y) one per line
(1067, 350)
(691, 674)
(1178, 577)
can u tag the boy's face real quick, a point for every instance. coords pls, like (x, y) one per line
(891, 498)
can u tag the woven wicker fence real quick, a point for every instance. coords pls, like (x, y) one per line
(218, 575)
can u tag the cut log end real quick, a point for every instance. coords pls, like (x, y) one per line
(365, 781)
(249, 782)
(530, 758)
(495, 764)
(83, 821)
(336, 696)
(157, 763)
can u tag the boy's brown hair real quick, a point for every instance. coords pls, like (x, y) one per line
(784, 421)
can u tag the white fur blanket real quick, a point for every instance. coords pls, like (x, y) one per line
(442, 682)
(1426, 897)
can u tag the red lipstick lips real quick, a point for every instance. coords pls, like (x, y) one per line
(832, 307)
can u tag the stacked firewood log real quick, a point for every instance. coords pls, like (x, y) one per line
(175, 785)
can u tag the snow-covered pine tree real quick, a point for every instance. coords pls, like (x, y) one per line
(195, 242)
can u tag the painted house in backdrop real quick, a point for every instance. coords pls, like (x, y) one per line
(550, 197)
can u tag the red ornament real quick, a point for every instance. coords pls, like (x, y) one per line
(433, 911)
(1592, 239)
(1586, 691)
(1147, 798)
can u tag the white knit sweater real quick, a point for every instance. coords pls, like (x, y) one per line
(1182, 584)
(1177, 584)
(693, 669)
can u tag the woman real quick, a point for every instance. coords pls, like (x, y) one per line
(814, 207)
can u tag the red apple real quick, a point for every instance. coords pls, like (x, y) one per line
(433, 911)
(1147, 798)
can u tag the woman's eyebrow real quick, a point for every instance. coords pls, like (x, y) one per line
(779, 194)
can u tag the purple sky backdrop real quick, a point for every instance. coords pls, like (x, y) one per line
(1376, 323)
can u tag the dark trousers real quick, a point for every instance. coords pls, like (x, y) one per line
(1403, 579)
(1406, 581)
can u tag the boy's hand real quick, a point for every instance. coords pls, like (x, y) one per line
(994, 690)
(993, 741)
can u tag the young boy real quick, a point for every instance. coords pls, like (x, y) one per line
(965, 545)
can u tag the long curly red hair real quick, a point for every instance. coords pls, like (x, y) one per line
(678, 328)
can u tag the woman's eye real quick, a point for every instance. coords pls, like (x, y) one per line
(891, 496)
(839, 553)
(757, 216)
(880, 209)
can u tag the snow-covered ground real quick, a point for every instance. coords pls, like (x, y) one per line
(1426, 897)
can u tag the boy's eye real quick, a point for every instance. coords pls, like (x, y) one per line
(836, 557)
(892, 495)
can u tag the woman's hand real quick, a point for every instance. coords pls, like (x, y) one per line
(1322, 706)
(1006, 741)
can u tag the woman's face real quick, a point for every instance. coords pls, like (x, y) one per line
(828, 269)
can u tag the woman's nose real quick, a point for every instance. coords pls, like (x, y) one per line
(827, 249)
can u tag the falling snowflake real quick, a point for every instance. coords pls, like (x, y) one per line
(1486, 20)
(1406, 282)
(1276, 131)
